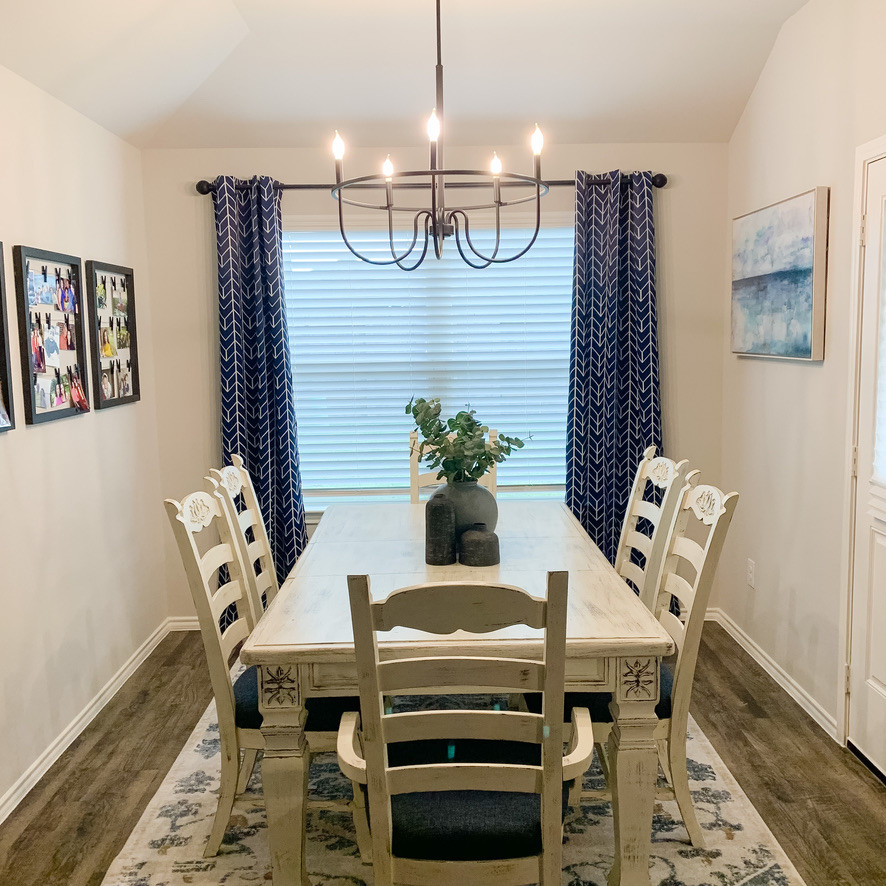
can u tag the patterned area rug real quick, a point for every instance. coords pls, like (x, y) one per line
(166, 847)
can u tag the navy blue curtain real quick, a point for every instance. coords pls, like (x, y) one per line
(614, 398)
(257, 406)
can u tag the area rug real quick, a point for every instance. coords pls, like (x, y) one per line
(166, 847)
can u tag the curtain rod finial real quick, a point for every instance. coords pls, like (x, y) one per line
(659, 180)
(204, 187)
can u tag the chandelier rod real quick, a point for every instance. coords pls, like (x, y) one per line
(204, 187)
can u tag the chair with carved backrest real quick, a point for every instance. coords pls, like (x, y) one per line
(206, 542)
(462, 795)
(664, 479)
(695, 540)
(233, 486)
(419, 479)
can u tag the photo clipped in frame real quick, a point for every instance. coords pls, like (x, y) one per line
(7, 414)
(111, 295)
(52, 344)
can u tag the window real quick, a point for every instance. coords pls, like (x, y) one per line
(365, 339)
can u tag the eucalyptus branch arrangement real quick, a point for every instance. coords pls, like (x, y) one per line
(457, 446)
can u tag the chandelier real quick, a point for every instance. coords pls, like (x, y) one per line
(437, 219)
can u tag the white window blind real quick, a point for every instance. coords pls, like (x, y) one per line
(365, 339)
(880, 408)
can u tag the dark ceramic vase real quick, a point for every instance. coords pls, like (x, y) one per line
(473, 504)
(440, 537)
(479, 547)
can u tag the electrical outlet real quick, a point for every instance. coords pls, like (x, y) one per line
(752, 579)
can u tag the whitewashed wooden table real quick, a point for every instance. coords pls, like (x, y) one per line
(304, 647)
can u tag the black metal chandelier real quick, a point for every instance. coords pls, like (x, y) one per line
(436, 220)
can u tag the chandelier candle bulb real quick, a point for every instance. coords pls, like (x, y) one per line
(338, 146)
(495, 166)
(433, 135)
(338, 151)
(433, 126)
(537, 141)
(387, 169)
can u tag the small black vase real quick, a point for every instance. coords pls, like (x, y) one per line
(479, 547)
(440, 537)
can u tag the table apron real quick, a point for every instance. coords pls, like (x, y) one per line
(633, 678)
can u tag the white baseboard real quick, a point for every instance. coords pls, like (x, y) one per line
(827, 721)
(41, 765)
(182, 623)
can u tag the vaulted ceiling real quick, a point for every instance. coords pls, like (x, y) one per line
(277, 73)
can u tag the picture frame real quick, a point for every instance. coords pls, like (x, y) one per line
(779, 279)
(7, 407)
(114, 352)
(52, 340)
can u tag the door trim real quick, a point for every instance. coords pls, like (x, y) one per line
(865, 155)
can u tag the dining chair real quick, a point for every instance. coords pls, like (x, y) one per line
(233, 486)
(206, 544)
(646, 523)
(419, 479)
(695, 540)
(464, 795)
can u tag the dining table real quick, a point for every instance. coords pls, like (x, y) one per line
(303, 647)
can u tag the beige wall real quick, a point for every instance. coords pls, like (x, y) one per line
(691, 231)
(784, 424)
(80, 522)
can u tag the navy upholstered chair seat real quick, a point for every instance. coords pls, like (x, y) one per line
(324, 714)
(466, 825)
(598, 702)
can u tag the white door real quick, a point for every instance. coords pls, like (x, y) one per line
(867, 676)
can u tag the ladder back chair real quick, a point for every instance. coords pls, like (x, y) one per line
(206, 544)
(198, 514)
(664, 478)
(695, 540)
(419, 479)
(462, 796)
(233, 486)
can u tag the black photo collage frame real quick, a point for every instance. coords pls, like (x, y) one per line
(111, 293)
(7, 411)
(51, 334)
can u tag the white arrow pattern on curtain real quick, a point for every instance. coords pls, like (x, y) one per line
(614, 398)
(257, 406)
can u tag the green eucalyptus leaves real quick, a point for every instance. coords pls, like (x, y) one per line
(457, 447)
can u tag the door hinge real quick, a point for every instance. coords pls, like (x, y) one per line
(863, 231)
(848, 679)
(854, 465)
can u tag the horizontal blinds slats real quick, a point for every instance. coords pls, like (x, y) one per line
(365, 339)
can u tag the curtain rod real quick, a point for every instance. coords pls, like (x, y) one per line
(659, 180)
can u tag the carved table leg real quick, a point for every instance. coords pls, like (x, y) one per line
(285, 766)
(633, 766)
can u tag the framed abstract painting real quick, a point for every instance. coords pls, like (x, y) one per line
(779, 278)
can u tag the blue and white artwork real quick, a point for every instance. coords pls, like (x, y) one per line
(778, 270)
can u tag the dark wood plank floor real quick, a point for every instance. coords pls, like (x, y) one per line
(71, 826)
(824, 807)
